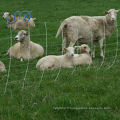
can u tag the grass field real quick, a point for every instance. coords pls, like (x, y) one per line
(94, 87)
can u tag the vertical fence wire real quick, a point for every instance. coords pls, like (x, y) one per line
(28, 60)
(9, 68)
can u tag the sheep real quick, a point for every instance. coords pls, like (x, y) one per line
(25, 49)
(2, 67)
(87, 29)
(84, 57)
(19, 23)
(54, 62)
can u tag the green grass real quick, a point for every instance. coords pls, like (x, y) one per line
(91, 87)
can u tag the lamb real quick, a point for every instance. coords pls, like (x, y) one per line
(2, 67)
(25, 49)
(19, 23)
(87, 29)
(84, 57)
(54, 62)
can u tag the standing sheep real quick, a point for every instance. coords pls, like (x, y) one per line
(19, 23)
(87, 29)
(84, 57)
(54, 62)
(25, 49)
(2, 67)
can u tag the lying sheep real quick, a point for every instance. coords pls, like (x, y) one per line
(87, 29)
(25, 49)
(2, 67)
(84, 57)
(19, 23)
(54, 62)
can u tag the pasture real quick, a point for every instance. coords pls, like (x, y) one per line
(84, 92)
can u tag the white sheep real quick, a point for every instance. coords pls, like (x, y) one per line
(19, 23)
(25, 49)
(54, 62)
(87, 29)
(84, 57)
(2, 67)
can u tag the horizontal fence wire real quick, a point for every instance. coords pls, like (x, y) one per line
(53, 47)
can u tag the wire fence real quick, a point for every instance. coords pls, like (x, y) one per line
(52, 46)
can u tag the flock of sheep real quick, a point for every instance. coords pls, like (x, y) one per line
(84, 29)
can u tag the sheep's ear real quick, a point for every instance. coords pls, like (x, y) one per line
(9, 14)
(88, 50)
(26, 33)
(106, 12)
(77, 47)
(65, 49)
(117, 10)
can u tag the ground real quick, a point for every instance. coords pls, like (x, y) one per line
(85, 93)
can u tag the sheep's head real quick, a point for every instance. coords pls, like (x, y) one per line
(111, 14)
(20, 37)
(69, 51)
(83, 48)
(6, 15)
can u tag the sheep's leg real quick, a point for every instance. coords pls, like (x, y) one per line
(101, 48)
(71, 44)
(93, 53)
(64, 44)
(21, 59)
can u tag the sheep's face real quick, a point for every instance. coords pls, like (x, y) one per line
(83, 48)
(6, 15)
(112, 14)
(70, 51)
(20, 37)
